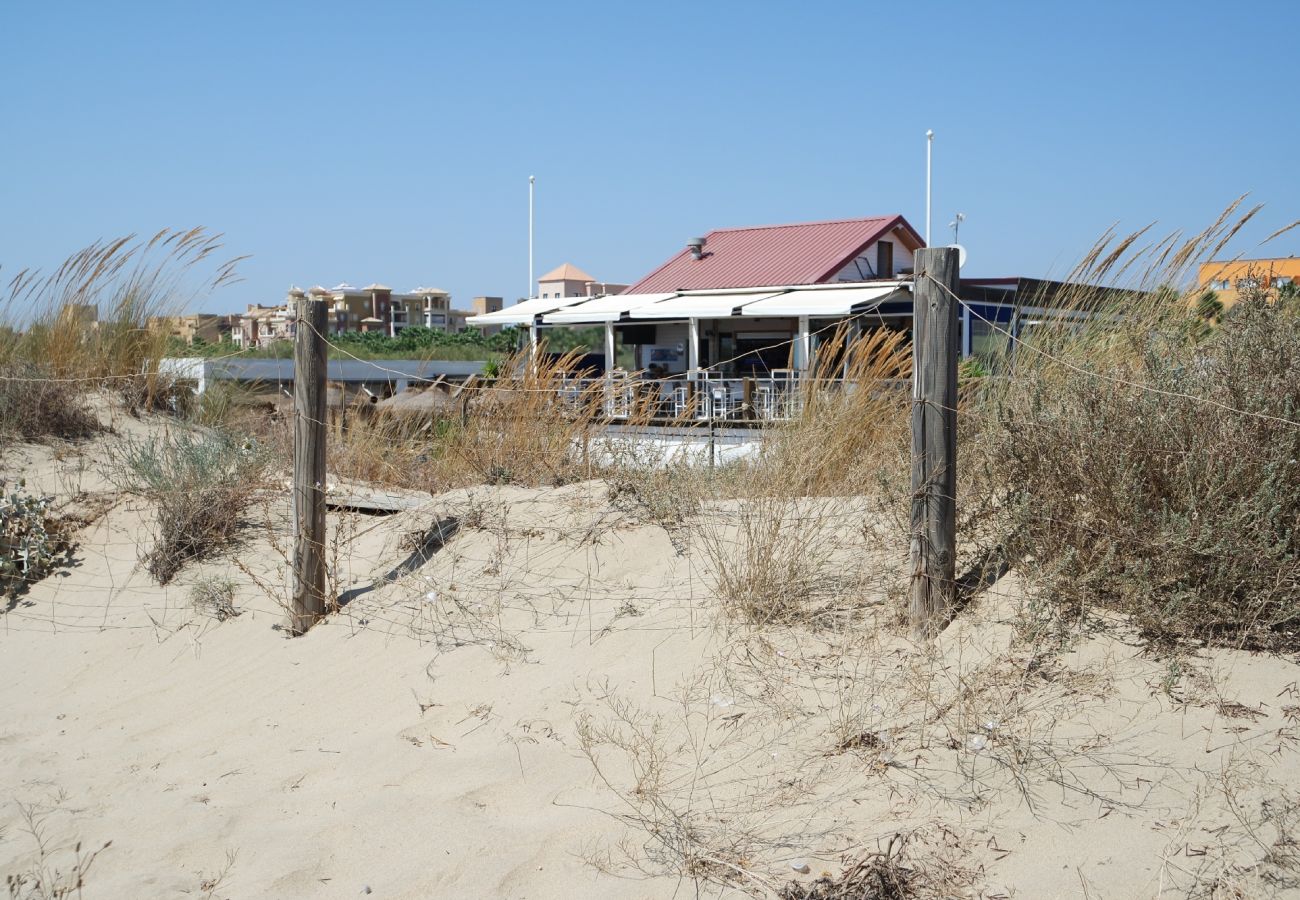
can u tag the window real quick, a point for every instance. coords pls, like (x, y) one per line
(885, 259)
(1247, 284)
(1281, 281)
(1221, 285)
(544, 296)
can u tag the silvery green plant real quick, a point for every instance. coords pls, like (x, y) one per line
(30, 545)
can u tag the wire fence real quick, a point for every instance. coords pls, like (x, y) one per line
(588, 398)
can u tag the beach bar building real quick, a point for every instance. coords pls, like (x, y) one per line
(736, 317)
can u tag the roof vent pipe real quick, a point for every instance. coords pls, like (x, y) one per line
(696, 246)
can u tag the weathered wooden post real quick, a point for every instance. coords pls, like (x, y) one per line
(934, 438)
(309, 364)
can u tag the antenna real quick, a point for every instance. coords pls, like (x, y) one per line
(955, 225)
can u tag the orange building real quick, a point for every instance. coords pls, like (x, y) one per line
(1231, 278)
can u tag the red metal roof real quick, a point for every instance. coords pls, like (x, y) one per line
(808, 253)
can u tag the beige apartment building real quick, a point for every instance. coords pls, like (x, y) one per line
(208, 327)
(570, 281)
(375, 307)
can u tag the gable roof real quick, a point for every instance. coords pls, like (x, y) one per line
(808, 253)
(566, 272)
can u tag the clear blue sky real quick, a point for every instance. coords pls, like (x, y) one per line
(393, 141)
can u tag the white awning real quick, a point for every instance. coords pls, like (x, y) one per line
(524, 312)
(830, 301)
(699, 305)
(609, 308)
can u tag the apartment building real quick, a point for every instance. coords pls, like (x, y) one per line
(1229, 280)
(373, 308)
(208, 327)
(568, 280)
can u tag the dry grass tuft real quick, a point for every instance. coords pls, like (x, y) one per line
(877, 876)
(34, 406)
(777, 555)
(772, 560)
(201, 484)
(214, 597)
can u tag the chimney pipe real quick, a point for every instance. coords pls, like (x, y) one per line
(696, 246)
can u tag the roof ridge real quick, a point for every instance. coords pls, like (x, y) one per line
(807, 224)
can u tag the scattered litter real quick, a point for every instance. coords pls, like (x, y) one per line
(978, 742)
(723, 702)
(800, 866)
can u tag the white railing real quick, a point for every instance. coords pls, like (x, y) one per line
(702, 396)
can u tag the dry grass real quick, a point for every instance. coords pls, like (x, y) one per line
(837, 443)
(34, 407)
(521, 430)
(773, 560)
(522, 427)
(57, 872)
(87, 323)
(214, 597)
(883, 875)
(778, 553)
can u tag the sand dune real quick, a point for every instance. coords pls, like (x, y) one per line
(436, 736)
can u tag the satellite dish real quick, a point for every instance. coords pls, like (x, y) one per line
(961, 255)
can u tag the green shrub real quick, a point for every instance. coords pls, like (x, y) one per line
(1157, 473)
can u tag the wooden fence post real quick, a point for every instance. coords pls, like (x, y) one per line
(309, 365)
(934, 438)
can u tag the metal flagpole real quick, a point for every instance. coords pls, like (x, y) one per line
(532, 179)
(929, 146)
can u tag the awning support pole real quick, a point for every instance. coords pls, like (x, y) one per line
(803, 347)
(609, 369)
(693, 345)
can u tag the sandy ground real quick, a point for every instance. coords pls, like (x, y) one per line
(553, 705)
